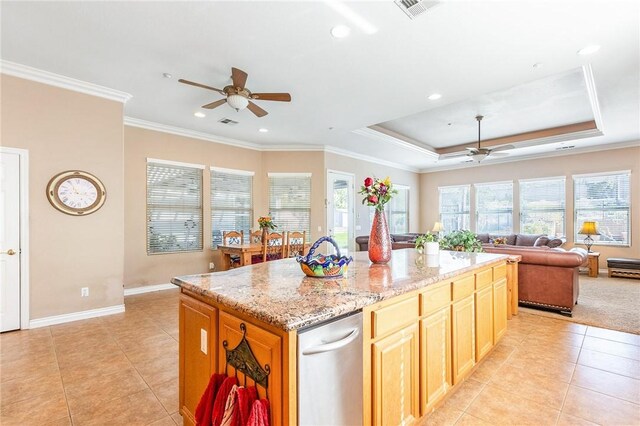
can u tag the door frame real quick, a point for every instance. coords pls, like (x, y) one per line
(23, 156)
(351, 244)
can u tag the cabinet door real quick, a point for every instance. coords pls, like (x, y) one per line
(395, 378)
(198, 342)
(484, 322)
(463, 339)
(435, 358)
(500, 307)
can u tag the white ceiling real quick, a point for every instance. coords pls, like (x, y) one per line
(462, 50)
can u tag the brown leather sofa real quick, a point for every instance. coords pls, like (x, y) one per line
(547, 278)
(398, 241)
(522, 240)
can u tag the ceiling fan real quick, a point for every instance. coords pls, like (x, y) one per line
(238, 96)
(478, 154)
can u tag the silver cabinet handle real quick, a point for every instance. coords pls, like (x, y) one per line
(333, 345)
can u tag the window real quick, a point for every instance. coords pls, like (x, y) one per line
(290, 201)
(231, 203)
(454, 204)
(398, 210)
(174, 207)
(605, 199)
(494, 208)
(542, 206)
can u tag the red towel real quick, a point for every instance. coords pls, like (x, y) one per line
(205, 406)
(259, 413)
(221, 400)
(246, 398)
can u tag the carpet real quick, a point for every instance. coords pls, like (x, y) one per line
(612, 303)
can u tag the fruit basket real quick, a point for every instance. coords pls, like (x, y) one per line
(324, 266)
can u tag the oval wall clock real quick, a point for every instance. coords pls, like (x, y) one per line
(76, 193)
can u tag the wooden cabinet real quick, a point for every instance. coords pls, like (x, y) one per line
(395, 377)
(198, 338)
(500, 309)
(463, 337)
(435, 358)
(484, 321)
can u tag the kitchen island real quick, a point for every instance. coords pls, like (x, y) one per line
(426, 323)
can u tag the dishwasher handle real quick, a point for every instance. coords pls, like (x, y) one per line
(353, 335)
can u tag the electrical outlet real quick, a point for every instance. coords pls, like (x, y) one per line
(203, 340)
(84, 292)
(319, 228)
(212, 266)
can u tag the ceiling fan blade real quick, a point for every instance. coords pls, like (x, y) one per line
(471, 148)
(259, 112)
(239, 77)
(215, 104)
(502, 148)
(191, 83)
(282, 97)
(456, 155)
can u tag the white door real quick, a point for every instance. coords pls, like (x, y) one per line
(341, 210)
(9, 242)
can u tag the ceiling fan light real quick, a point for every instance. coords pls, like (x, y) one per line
(237, 102)
(478, 157)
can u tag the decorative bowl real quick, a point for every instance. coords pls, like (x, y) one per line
(321, 265)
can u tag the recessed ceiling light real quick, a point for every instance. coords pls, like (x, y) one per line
(434, 96)
(589, 50)
(353, 17)
(166, 75)
(537, 65)
(263, 130)
(340, 31)
(200, 114)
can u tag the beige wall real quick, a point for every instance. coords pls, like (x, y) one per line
(568, 165)
(65, 130)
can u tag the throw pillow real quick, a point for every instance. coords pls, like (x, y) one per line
(541, 241)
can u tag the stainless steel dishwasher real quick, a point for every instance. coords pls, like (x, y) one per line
(330, 373)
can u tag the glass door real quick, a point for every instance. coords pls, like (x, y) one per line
(341, 209)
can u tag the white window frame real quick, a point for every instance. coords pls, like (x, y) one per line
(215, 209)
(562, 210)
(475, 187)
(463, 212)
(390, 213)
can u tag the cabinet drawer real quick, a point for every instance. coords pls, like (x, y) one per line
(499, 272)
(394, 316)
(434, 299)
(484, 278)
(463, 287)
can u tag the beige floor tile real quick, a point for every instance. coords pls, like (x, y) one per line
(165, 421)
(37, 410)
(136, 409)
(86, 355)
(469, 420)
(29, 387)
(151, 350)
(540, 389)
(497, 406)
(443, 416)
(28, 368)
(569, 420)
(555, 338)
(611, 363)
(550, 352)
(107, 364)
(611, 384)
(177, 418)
(554, 369)
(158, 370)
(464, 395)
(616, 336)
(600, 408)
(486, 370)
(92, 392)
(167, 394)
(613, 348)
(30, 351)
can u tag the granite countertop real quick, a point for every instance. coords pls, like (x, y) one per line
(278, 292)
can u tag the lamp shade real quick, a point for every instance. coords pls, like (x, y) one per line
(589, 228)
(237, 102)
(437, 227)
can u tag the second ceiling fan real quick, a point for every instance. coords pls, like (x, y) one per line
(478, 154)
(238, 96)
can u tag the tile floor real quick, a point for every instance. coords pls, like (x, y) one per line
(123, 370)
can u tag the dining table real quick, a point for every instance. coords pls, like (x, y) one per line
(244, 251)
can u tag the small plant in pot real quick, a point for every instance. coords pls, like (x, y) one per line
(427, 244)
(461, 241)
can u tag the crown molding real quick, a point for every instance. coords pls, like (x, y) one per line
(597, 148)
(57, 80)
(385, 135)
(370, 159)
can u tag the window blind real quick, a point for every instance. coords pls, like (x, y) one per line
(494, 208)
(605, 199)
(174, 208)
(290, 201)
(231, 203)
(455, 211)
(542, 206)
(398, 211)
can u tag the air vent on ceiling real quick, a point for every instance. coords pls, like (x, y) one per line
(562, 148)
(415, 8)
(228, 121)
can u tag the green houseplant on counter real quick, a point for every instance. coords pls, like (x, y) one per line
(427, 244)
(461, 241)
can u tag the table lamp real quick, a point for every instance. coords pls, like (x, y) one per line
(588, 228)
(437, 227)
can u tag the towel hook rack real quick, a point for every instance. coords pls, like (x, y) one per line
(242, 359)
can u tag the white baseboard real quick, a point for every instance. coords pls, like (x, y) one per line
(75, 316)
(148, 289)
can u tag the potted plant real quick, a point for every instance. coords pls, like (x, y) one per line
(428, 244)
(461, 240)
(266, 224)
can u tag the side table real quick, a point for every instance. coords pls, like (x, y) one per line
(593, 262)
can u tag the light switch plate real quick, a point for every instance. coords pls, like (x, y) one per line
(203, 340)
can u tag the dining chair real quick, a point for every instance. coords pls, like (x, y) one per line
(256, 237)
(274, 247)
(295, 243)
(233, 238)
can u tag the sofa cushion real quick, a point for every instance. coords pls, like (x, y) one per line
(623, 263)
(484, 238)
(541, 241)
(555, 242)
(511, 239)
(526, 240)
